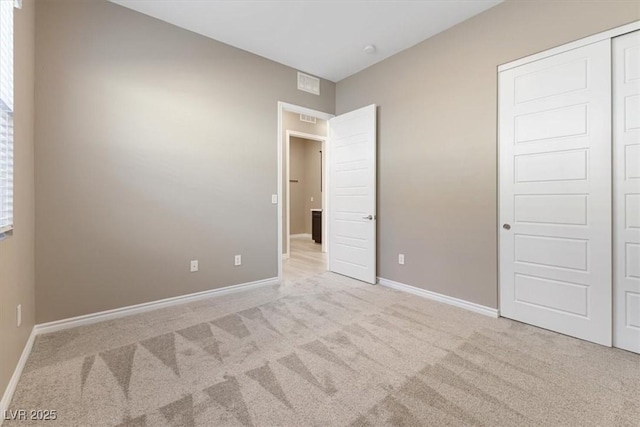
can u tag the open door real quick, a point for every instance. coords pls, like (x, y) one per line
(352, 194)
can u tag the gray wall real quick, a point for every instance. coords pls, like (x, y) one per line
(437, 138)
(291, 121)
(17, 251)
(305, 168)
(154, 146)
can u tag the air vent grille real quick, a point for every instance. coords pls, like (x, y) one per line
(308, 119)
(308, 83)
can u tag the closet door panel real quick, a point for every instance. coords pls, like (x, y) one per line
(626, 185)
(555, 193)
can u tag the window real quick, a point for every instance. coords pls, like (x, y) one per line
(6, 116)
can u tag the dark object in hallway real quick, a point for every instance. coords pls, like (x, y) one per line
(316, 226)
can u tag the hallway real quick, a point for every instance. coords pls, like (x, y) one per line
(306, 259)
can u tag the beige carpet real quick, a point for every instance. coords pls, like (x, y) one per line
(325, 351)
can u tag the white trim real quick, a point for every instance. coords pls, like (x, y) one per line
(284, 106)
(279, 188)
(471, 306)
(13, 382)
(117, 313)
(306, 135)
(326, 204)
(609, 34)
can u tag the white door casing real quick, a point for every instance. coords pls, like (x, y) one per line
(352, 194)
(555, 192)
(626, 191)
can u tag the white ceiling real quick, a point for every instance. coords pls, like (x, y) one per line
(325, 38)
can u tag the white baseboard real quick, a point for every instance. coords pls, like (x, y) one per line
(13, 382)
(471, 306)
(301, 236)
(88, 319)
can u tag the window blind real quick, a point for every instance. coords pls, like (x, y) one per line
(6, 115)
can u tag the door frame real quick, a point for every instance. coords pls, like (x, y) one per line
(604, 35)
(281, 108)
(325, 190)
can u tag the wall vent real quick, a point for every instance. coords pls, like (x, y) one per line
(308, 119)
(308, 83)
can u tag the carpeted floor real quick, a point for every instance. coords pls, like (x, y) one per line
(325, 351)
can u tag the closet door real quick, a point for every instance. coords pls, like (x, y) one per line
(555, 193)
(626, 142)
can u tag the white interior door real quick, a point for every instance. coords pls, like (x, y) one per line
(626, 155)
(352, 194)
(555, 193)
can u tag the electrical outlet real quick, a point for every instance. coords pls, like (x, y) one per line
(19, 315)
(194, 265)
(274, 199)
(401, 259)
(237, 260)
(312, 199)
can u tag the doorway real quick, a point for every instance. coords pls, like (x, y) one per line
(302, 174)
(348, 182)
(304, 200)
(305, 251)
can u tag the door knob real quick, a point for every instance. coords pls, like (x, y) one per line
(506, 226)
(370, 217)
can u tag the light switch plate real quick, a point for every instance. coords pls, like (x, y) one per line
(194, 265)
(401, 259)
(274, 199)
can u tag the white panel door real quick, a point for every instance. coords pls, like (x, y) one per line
(555, 193)
(352, 194)
(626, 191)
